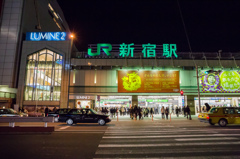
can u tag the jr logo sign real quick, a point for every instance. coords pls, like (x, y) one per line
(105, 47)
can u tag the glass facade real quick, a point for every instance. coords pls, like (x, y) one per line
(43, 76)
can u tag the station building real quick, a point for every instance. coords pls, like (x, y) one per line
(40, 67)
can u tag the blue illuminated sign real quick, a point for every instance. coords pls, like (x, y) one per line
(47, 36)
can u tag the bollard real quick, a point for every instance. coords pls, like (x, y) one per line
(170, 116)
(45, 124)
(152, 117)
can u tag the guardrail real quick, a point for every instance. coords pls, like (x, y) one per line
(13, 120)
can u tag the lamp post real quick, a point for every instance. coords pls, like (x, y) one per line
(199, 101)
(71, 37)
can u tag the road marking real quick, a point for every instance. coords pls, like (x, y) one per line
(133, 127)
(160, 151)
(166, 136)
(84, 130)
(189, 157)
(65, 127)
(76, 132)
(124, 131)
(171, 144)
(205, 139)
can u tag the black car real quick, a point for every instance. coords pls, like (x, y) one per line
(83, 116)
(57, 112)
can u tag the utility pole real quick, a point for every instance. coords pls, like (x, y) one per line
(199, 101)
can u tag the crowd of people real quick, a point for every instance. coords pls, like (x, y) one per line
(137, 112)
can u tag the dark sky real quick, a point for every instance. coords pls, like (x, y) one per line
(211, 25)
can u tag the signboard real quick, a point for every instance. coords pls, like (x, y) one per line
(148, 81)
(47, 36)
(83, 97)
(127, 50)
(220, 81)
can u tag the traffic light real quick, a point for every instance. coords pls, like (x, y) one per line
(181, 93)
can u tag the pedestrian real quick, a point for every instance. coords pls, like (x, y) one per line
(207, 107)
(147, 111)
(166, 112)
(162, 111)
(188, 111)
(54, 109)
(135, 111)
(177, 111)
(151, 112)
(139, 112)
(46, 111)
(131, 112)
(120, 110)
(184, 111)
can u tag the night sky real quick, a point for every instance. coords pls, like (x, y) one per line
(211, 25)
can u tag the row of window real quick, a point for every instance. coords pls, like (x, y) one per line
(43, 76)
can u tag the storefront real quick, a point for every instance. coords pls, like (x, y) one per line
(217, 102)
(114, 101)
(157, 102)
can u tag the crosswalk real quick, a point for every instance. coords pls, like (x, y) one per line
(159, 140)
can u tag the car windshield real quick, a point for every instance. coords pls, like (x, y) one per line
(213, 110)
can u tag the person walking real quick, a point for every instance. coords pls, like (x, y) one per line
(139, 113)
(177, 111)
(131, 113)
(54, 109)
(162, 111)
(166, 112)
(135, 111)
(188, 111)
(151, 112)
(184, 111)
(46, 111)
(207, 107)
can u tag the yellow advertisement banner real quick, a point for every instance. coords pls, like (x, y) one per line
(148, 81)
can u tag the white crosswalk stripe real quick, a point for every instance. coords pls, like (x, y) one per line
(165, 141)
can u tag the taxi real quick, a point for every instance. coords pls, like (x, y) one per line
(223, 116)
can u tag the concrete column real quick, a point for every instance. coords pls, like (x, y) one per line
(134, 100)
(191, 104)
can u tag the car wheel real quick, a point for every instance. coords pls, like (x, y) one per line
(101, 122)
(222, 122)
(210, 122)
(69, 121)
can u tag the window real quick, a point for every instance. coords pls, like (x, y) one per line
(76, 111)
(43, 76)
(214, 110)
(228, 111)
(237, 110)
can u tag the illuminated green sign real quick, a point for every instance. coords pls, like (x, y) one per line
(157, 100)
(127, 50)
(105, 47)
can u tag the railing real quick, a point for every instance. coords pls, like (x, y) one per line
(181, 55)
(12, 120)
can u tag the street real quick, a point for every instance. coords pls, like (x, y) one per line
(178, 138)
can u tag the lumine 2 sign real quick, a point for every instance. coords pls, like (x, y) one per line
(46, 36)
(127, 50)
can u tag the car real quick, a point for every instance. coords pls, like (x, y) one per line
(57, 112)
(8, 113)
(223, 116)
(83, 115)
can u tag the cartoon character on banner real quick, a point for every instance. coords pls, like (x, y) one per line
(211, 82)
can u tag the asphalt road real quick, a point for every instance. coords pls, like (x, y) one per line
(178, 138)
